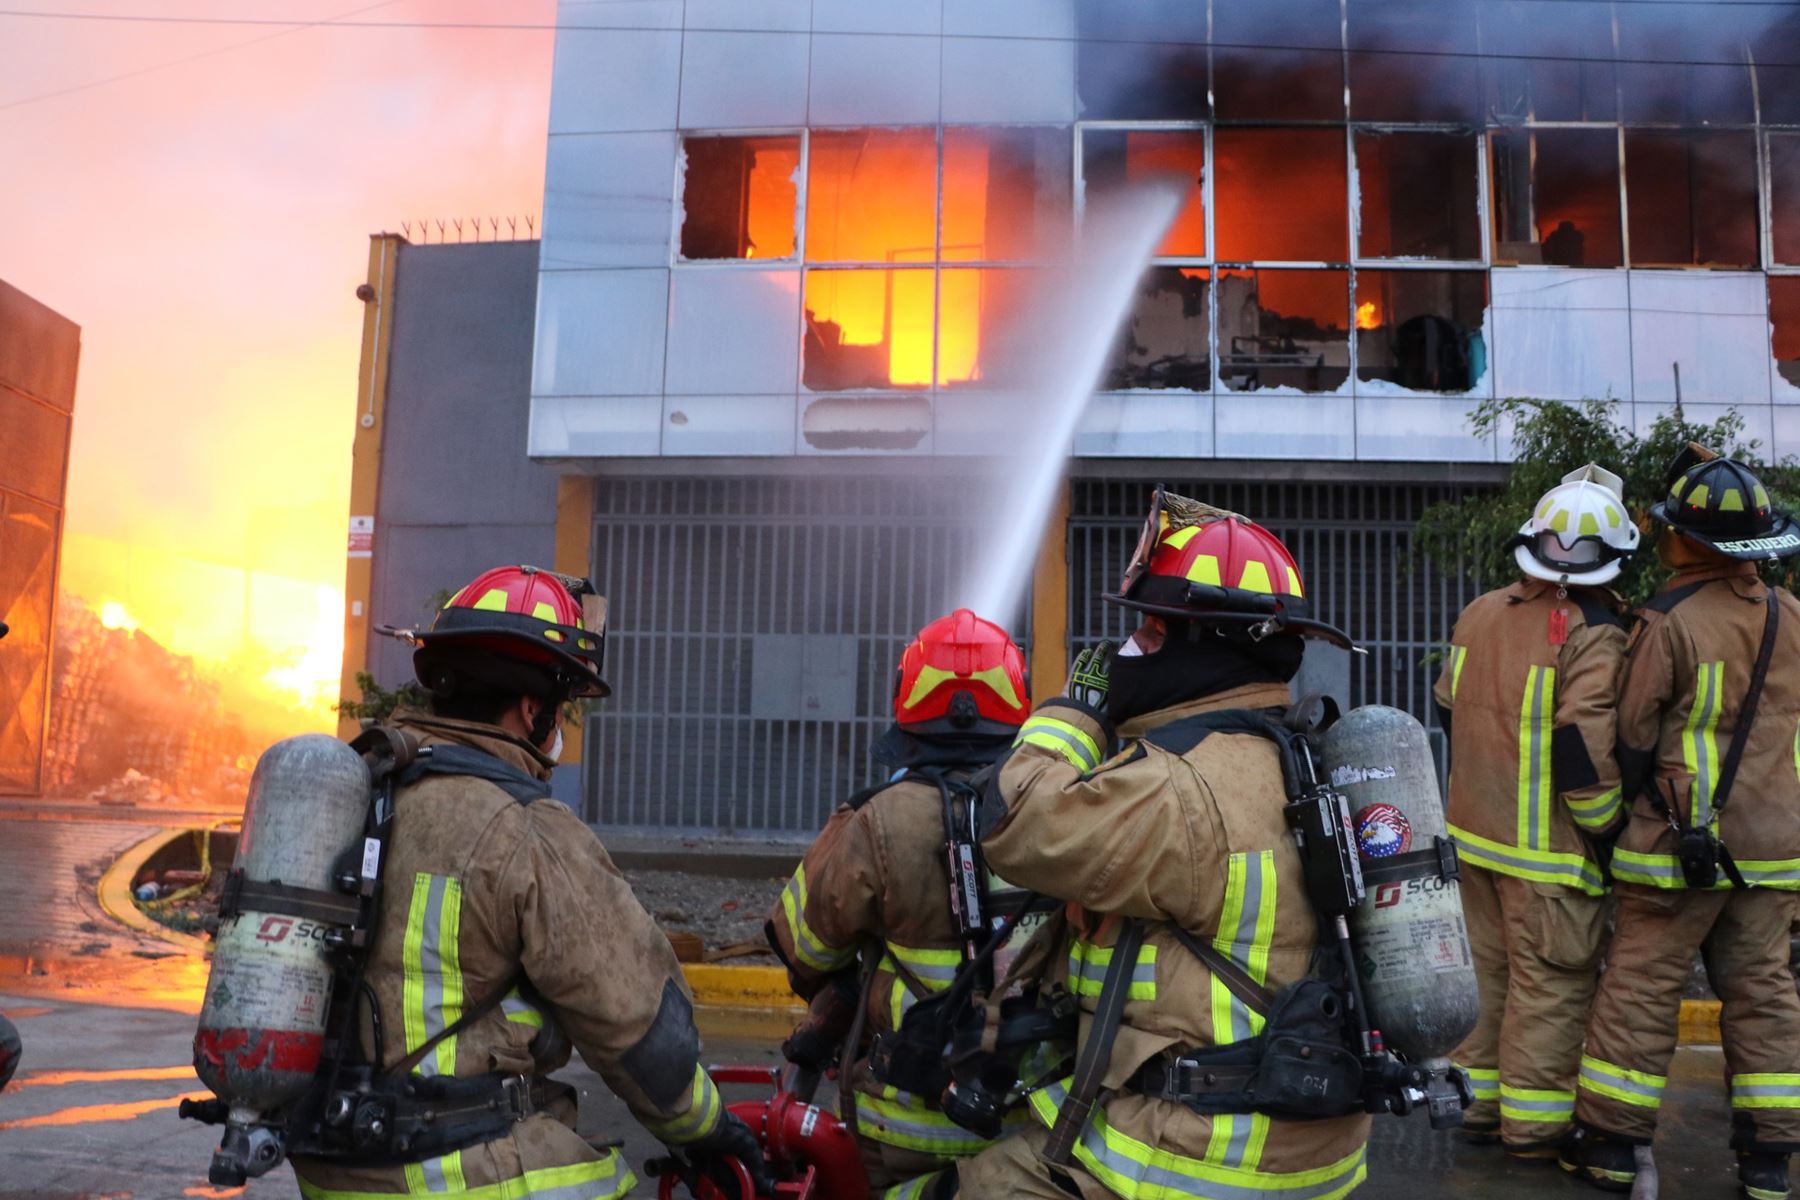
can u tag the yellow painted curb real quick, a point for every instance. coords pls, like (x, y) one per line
(720, 986)
(1699, 1022)
(114, 892)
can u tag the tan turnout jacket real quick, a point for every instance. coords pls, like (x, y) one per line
(1534, 722)
(1685, 680)
(479, 886)
(877, 875)
(1197, 839)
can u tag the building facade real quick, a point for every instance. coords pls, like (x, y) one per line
(793, 277)
(39, 354)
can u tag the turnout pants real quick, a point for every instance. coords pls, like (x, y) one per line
(1537, 950)
(1012, 1168)
(1743, 938)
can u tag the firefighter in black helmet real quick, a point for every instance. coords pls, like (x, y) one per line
(1709, 860)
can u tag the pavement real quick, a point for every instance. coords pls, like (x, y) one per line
(107, 1018)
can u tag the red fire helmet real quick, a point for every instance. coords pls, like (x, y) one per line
(1199, 563)
(961, 677)
(553, 626)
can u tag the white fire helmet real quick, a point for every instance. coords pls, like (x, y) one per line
(1580, 532)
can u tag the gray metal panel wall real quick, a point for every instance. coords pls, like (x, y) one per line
(1353, 543)
(457, 493)
(716, 585)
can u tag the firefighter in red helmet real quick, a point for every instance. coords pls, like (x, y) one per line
(1139, 799)
(877, 885)
(487, 964)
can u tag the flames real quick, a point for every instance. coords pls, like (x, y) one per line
(1368, 315)
(273, 641)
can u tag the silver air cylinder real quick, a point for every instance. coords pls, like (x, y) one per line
(262, 1026)
(1412, 946)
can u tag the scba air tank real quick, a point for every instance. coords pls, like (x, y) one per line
(1412, 946)
(262, 1026)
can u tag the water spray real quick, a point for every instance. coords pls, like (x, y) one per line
(1077, 319)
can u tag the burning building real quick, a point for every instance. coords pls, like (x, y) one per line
(791, 255)
(39, 351)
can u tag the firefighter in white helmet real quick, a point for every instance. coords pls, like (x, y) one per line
(1528, 697)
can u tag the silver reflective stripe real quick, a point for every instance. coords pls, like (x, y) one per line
(1764, 1091)
(1151, 1178)
(431, 964)
(947, 1136)
(1081, 752)
(1242, 1125)
(597, 1189)
(1535, 838)
(1753, 874)
(1711, 676)
(1595, 1072)
(1554, 1108)
(433, 1170)
(942, 974)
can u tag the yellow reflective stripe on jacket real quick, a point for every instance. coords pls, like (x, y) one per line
(1238, 1139)
(701, 1118)
(431, 965)
(1621, 1083)
(602, 1180)
(1070, 741)
(1457, 656)
(1545, 1105)
(901, 1119)
(436, 1176)
(1135, 1171)
(811, 949)
(935, 969)
(1485, 1081)
(1766, 1089)
(1088, 964)
(1246, 929)
(1700, 743)
(1537, 713)
(1664, 871)
(1539, 866)
(912, 1189)
(521, 1011)
(1597, 813)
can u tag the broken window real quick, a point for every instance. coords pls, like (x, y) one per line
(1284, 328)
(1421, 329)
(1282, 195)
(1691, 65)
(1278, 62)
(1784, 316)
(867, 329)
(1692, 198)
(1141, 61)
(1784, 197)
(738, 196)
(1556, 197)
(871, 196)
(1111, 158)
(1006, 194)
(1412, 60)
(1167, 338)
(1417, 195)
(1548, 60)
(985, 334)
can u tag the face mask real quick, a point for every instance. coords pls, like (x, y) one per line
(556, 745)
(1130, 649)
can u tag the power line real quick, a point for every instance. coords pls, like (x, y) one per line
(289, 27)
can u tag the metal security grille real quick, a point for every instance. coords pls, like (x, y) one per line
(754, 629)
(1353, 544)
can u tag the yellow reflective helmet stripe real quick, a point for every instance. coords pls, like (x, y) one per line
(493, 600)
(1181, 537)
(930, 677)
(1205, 569)
(1255, 578)
(543, 610)
(1697, 496)
(1731, 500)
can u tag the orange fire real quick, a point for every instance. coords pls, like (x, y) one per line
(114, 616)
(1368, 316)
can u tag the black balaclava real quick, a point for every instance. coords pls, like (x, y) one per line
(1197, 661)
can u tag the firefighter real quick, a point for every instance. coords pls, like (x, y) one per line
(501, 899)
(1119, 801)
(1527, 696)
(877, 881)
(1709, 859)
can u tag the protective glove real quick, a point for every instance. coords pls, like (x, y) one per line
(730, 1139)
(1090, 677)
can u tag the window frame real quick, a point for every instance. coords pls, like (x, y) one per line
(677, 218)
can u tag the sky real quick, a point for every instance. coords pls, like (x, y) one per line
(206, 223)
